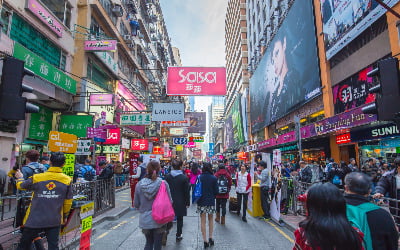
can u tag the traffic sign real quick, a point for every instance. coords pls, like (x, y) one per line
(180, 140)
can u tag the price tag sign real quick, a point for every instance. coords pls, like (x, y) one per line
(87, 210)
(180, 141)
(69, 167)
(86, 224)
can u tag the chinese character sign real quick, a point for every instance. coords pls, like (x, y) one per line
(135, 119)
(40, 124)
(196, 81)
(62, 142)
(83, 147)
(69, 166)
(139, 144)
(108, 149)
(75, 124)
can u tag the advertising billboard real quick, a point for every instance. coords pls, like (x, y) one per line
(238, 135)
(353, 92)
(196, 81)
(344, 20)
(168, 112)
(228, 133)
(288, 74)
(197, 122)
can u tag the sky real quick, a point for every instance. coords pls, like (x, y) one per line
(197, 29)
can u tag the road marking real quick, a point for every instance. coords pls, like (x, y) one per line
(126, 200)
(133, 217)
(101, 236)
(281, 232)
(120, 224)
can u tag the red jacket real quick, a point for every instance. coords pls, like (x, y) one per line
(228, 176)
(248, 181)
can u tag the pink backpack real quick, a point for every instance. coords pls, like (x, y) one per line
(162, 210)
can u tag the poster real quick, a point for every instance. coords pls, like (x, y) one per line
(275, 207)
(69, 167)
(83, 147)
(62, 142)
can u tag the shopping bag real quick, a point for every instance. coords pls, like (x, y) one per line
(162, 210)
(197, 192)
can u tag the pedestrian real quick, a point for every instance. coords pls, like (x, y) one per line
(371, 170)
(194, 172)
(13, 180)
(380, 231)
(52, 197)
(336, 175)
(352, 165)
(119, 174)
(390, 184)
(145, 193)
(137, 172)
(305, 173)
(179, 186)
(326, 225)
(265, 186)
(106, 172)
(224, 183)
(243, 185)
(32, 165)
(45, 160)
(285, 171)
(206, 203)
(86, 171)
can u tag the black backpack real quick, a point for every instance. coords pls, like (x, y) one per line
(222, 183)
(88, 176)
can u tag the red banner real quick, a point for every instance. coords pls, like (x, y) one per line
(140, 144)
(196, 81)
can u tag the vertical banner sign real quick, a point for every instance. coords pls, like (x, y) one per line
(69, 166)
(40, 124)
(250, 196)
(166, 149)
(276, 191)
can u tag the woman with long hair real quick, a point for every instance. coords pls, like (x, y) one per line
(326, 226)
(194, 172)
(206, 203)
(145, 193)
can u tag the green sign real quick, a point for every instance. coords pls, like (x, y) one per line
(40, 124)
(113, 149)
(135, 119)
(75, 124)
(69, 166)
(43, 69)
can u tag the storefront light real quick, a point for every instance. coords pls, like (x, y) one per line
(322, 112)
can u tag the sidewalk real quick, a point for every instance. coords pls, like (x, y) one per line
(292, 221)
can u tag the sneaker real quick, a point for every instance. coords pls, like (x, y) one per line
(267, 218)
(179, 238)
(244, 219)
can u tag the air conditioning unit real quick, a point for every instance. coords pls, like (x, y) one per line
(117, 10)
(131, 45)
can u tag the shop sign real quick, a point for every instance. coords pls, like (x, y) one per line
(184, 123)
(108, 60)
(44, 69)
(125, 143)
(86, 224)
(251, 148)
(277, 157)
(178, 131)
(197, 154)
(69, 166)
(99, 133)
(341, 139)
(140, 144)
(196, 81)
(211, 146)
(391, 143)
(113, 136)
(289, 148)
(196, 139)
(75, 124)
(101, 45)
(108, 149)
(83, 147)
(179, 148)
(87, 210)
(62, 142)
(168, 112)
(377, 132)
(352, 118)
(180, 140)
(166, 150)
(190, 145)
(101, 99)
(135, 119)
(38, 10)
(40, 124)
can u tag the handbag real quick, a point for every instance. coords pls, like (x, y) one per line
(162, 210)
(197, 192)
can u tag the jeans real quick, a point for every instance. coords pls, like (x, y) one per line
(153, 238)
(245, 197)
(221, 204)
(179, 225)
(265, 201)
(29, 234)
(119, 179)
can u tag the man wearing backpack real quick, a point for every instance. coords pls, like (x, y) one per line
(86, 171)
(336, 175)
(376, 223)
(32, 166)
(224, 183)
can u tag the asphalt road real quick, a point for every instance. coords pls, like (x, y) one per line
(125, 233)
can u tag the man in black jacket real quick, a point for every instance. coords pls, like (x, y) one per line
(305, 172)
(382, 228)
(179, 186)
(106, 172)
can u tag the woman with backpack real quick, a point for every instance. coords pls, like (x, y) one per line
(194, 172)
(145, 194)
(206, 203)
(224, 183)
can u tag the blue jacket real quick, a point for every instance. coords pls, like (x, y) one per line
(209, 189)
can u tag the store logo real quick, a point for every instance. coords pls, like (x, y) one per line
(385, 131)
(112, 136)
(50, 186)
(198, 77)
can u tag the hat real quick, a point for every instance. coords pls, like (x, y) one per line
(302, 162)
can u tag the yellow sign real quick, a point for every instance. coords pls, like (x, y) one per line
(179, 147)
(62, 142)
(69, 166)
(86, 224)
(87, 210)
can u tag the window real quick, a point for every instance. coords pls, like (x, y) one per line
(6, 17)
(63, 61)
(95, 30)
(108, 6)
(98, 76)
(61, 9)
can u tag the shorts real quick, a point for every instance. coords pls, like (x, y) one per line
(205, 209)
